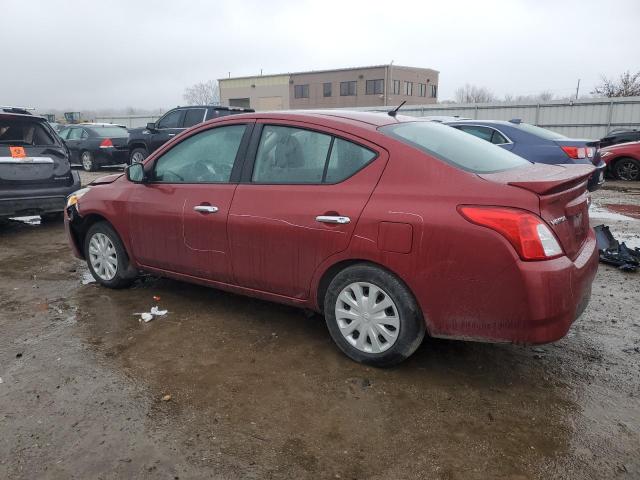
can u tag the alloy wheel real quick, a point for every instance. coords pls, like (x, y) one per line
(628, 170)
(137, 157)
(367, 317)
(103, 256)
(87, 162)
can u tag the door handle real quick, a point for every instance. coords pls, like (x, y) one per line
(205, 208)
(332, 219)
(171, 134)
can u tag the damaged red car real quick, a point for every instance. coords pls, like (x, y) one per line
(390, 226)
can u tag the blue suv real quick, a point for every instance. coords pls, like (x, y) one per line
(537, 144)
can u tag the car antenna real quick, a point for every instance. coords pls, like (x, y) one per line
(394, 112)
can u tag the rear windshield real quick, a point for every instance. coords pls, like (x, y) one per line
(113, 132)
(540, 132)
(455, 147)
(24, 132)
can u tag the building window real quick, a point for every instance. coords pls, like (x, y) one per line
(347, 89)
(301, 91)
(408, 89)
(326, 89)
(374, 87)
(434, 91)
(422, 89)
(396, 87)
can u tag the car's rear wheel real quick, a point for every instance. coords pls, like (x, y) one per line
(138, 155)
(372, 316)
(106, 257)
(627, 169)
(88, 162)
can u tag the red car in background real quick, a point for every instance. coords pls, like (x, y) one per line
(392, 227)
(623, 160)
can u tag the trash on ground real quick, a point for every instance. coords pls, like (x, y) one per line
(150, 315)
(613, 252)
(146, 316)
(156, 298)
(166, 398)
(87, 278)
(157, 312)
(0, 379)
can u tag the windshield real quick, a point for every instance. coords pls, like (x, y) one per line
(454, 147)
(540, 132)
(113, 132)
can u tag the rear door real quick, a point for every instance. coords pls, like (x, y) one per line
(30, 154)
(73, 140)
(178, 220)
(303, 190)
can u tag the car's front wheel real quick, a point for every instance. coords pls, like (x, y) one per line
(138, 155)
(627, 169)
(88, 162)
(106, 257)
(372, 316)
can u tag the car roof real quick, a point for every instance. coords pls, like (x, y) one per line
(24, 116)
(370, 120)
(487, 122)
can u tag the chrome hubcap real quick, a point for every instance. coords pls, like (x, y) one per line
(86, 161)
(628, 171)
(137, 157)
(367, 317)
(103, 257)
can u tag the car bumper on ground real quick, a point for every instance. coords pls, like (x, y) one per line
(37, 201)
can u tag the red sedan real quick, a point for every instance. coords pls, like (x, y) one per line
(392, 227)
(623, 160)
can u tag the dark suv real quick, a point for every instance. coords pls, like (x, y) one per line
(35, 175)
(143, 141)
(620, 135)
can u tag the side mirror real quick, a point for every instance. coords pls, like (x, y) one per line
(151, 126)
(135, 173)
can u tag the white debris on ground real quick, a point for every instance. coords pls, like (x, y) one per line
(598, 211)
(31, 220)
(87, 278)
(148, 316)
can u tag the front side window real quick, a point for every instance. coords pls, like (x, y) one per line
(457, 148)
(206, 157)
(193, 116)
(171, 119)
(408, 88)
(301, 91)
(374, 87)
(326, 89)
(348, 89)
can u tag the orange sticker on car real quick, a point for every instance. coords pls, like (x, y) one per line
(17, 152)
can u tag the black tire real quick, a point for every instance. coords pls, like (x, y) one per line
(88, 161)
(51, 217)
(137, 155)
(627, 169)
(125, 274)
(411, 323)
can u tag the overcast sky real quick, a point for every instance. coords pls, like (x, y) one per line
(82, 54)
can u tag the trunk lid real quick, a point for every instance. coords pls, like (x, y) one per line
(33, 165)
(563, 197)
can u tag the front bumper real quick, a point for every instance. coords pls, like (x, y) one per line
(37, 201)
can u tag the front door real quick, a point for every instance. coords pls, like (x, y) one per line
(178, 220)
(298, 204)
(166, 128)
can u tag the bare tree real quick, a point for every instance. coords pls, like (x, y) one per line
(473, 94)
(628, 85)
(205, 93)
(543, 96)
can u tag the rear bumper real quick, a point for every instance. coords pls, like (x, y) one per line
(111, 156)
(531, 303)
(36, 201)
(597, 178)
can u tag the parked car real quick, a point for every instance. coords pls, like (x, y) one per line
(538, 144)
(96, 144)
(143, 141)
(620, 135)
(623, 160)
(392, 227)
(35, 175)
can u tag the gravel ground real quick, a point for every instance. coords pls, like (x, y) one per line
(258, 390)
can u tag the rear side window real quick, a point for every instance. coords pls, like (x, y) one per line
(288, 155)
(75, 134)
(193, 117)
(481, 132)
(64, 133)
(24, 132)
(454, 147)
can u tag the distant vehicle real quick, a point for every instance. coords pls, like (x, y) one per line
(538, 144)
(143, 141)
(620, 135)
(444, 118)
(35, 175)
(392, 227)
(623, 160)
(94, 145)
(57, 126)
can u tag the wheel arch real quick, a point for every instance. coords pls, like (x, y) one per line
(80, 231)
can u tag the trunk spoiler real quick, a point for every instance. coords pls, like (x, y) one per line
(541, 178)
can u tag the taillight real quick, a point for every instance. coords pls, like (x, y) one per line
(528, 233)
(591, 152)
(106, 143)
(575, 152)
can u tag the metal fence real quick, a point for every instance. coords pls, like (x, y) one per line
(588, 118)
(129, 121)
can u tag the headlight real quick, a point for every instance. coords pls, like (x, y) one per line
(75, 196)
